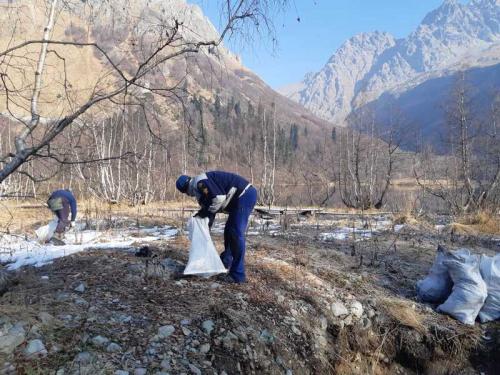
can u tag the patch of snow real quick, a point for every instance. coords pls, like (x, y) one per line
(345, 233)
(398, 227)
(18, 251)
(334, 236)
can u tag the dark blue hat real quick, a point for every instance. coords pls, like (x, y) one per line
(182, 183)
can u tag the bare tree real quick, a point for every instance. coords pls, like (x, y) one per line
(366, 161)
(468, 176)
(151, 48)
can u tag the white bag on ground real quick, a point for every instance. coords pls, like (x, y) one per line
(46, 232)
(436, 286)
(203, 258)
(469, 289)
(490, 271)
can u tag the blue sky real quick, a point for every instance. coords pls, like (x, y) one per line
(324, 25)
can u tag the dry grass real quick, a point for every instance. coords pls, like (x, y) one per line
(24, 217)
(483, 221)
(460, 229)
(405, 218)
(403, 313)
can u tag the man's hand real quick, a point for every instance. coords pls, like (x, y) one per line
(200, 214)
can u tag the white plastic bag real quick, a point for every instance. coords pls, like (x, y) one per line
(490, 271)
(469, 289)
(436, 286)
(46, 232)
(203, 258)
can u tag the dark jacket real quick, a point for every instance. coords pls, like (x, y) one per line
(217, 191)
(68, 195)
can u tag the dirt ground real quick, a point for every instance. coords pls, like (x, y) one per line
(311, 306)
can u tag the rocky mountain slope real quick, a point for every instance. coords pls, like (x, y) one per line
(451, 38)
(122, 28)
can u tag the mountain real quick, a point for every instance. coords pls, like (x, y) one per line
(120, 28)
(453, 37)
(209, 111)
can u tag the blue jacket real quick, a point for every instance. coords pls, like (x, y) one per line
(70, 198)
(217, 191)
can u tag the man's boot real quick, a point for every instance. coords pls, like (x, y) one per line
(57, 239)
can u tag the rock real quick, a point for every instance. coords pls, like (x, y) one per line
(289, 372)
(231, 336)
(60, 371)
(84, 358)
(7, 369)
(357, 309)
(67, 317)
(140, 371)
(81, 302)
(45, 318)
(186, 331)
(339, 309)
(85, 338)
(321, 341)
(35, 348)
(229, 339)
(348, 320)
(122, 318)
(323, 323)
(242, 336)
(208, 326)
(14, 337)
(281, 298)
(195, 370)
(266, 337)
(165, 331)
(113, 348)
(205, 348)
(63, 297)
(165, 364)
(214, 285)
(185, 322)
(100, 341)
(370, 313)
(121, 372)
(34, 332)
(80, 288)
(366, 323)
(296, 330)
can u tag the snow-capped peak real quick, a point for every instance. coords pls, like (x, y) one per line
(369, 64)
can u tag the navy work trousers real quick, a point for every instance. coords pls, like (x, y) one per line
(63, 216)
(233, 256)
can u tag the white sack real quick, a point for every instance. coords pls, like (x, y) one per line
(469, 289)
(436, 287)
(46, 232)
(203, 258)
(490, 271)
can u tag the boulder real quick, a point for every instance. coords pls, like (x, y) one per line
(339, 309)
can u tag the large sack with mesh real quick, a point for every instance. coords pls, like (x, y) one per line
(436, 286)
(490, 271)
(203, 257)
(469, 289)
